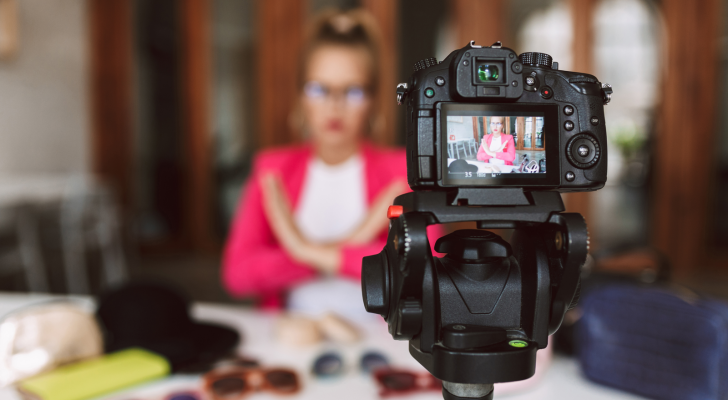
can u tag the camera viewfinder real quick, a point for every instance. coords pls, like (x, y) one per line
(488, 72)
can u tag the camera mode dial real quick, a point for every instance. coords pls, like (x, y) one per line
(583, 150)
(535, 59)
(426, 63)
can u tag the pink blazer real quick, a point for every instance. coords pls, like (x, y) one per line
(254, 264)
(508, 154)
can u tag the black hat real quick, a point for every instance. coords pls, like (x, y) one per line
(461, 166)
(155, 317)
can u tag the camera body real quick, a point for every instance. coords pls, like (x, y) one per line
(552, 128)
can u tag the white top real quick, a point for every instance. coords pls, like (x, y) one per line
(332, 206)
(495, 145)
(333, 200)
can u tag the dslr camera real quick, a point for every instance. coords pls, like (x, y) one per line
(492, 138)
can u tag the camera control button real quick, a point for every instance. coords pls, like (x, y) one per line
(430, 92)
(583, 150)
(517, 67)
(466, 63)
(568, 110)
(531, 83)
(514, 83)
(440, 81)
(568, 125)
(547, 92)
(570, 176)
(594, 120)
(394, 212)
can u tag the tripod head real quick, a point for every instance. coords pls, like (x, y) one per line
(478, 315)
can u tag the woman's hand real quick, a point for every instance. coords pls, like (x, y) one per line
(376, 219)
(277, 208)
(486, 148)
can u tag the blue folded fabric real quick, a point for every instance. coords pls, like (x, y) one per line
(655, 342)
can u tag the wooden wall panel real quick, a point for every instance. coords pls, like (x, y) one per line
(196, 78)
(9, 29)
(386, 14)
(474, 21)
(280, 34)
(111, 94)
(686, 132)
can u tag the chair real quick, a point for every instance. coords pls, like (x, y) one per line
(89, 218)
(461, 144)
(473, 147)
(19, 225)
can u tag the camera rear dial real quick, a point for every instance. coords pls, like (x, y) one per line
(583, 151)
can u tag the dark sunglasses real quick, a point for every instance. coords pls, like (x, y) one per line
(235, 383)
(184, 396)
(394, 382)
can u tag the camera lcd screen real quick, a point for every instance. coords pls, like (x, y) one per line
(499, 145)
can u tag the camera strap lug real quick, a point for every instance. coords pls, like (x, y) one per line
(606, 93)
(401, 93)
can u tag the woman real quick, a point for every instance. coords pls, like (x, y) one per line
(498, 147)
(315, 210)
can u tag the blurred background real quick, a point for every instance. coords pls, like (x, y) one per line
(127, 127)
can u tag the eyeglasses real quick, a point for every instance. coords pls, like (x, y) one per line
(352, 95)
(234, 383)
(393, 382)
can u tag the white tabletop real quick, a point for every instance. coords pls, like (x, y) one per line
(33, 189)
(561, 381)
(484, 167)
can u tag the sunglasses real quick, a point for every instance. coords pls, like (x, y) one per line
(329, 365)
(394, 382)
(184, 396)
(235, 383)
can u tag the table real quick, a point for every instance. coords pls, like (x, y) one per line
(484, 167)
(562, 380)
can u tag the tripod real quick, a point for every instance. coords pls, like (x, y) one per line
(478, 315)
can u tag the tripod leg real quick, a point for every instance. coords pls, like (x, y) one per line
(463, 391)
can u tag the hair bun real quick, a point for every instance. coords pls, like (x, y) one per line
(353, 28)
(342, 23)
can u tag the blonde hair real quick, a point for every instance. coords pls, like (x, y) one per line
(353, 29)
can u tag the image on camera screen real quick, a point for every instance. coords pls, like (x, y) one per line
(488, 146)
